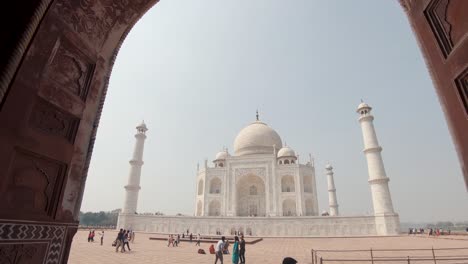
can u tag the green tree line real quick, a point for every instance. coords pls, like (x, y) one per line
(99, 218)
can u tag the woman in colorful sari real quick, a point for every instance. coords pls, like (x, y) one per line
(235, 251)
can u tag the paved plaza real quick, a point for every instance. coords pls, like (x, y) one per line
(270, 250)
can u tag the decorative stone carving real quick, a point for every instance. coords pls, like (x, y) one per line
(16, 253)
(51, 120)
(34, 183)
(250, 171)
(462, 87)
(95, 18)
(70, 69)
(29, 240)
(441, 15)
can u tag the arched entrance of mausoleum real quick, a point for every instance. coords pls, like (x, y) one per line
(251, 200)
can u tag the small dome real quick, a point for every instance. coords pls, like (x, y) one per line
(286, 151)
(363, 105)
(222, 155)
(142, 126)
(256, 138)
(328, 167)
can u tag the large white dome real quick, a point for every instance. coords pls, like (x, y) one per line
(256, 138)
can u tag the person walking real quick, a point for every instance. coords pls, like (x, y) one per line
(235, 251)
(89, 236)
(242, 250)
(102, 237)
(178, 239)
(191, 237)
(119, 241)
(169, 240)
(125, 242)
(198, 240)
(219, 250)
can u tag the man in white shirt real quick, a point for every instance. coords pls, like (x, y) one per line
(219, 250)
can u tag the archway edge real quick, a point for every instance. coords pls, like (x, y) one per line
(63, 76)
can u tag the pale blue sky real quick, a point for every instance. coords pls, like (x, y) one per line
(196, 71)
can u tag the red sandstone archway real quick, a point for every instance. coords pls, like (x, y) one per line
(56, 57)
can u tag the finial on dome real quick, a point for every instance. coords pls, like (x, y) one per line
(257, 115)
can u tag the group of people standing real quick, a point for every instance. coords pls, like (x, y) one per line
(92, 234)
(174, 240)
(123, 237)
(238, 250)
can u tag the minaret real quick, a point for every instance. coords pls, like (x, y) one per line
(333, 202)
(133, 186)
(386, 219)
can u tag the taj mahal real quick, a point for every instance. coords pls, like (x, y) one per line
(262, 189)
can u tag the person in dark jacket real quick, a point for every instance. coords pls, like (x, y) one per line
(242, 250)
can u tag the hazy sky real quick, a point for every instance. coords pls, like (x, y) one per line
(196, 71)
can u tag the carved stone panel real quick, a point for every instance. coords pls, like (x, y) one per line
(462, 88)
(95, 18)
(441, 15)
(70, 69)
(34, 184)
(24, 253)
(47, 118)
(31, 243)
(250, 171)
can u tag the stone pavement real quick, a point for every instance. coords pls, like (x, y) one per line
(270, 250)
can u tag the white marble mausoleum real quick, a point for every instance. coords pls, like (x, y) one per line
(263, 190)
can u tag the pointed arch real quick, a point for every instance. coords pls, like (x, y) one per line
(214, 208)
(289, 207)
(215, 185)
(287, 184)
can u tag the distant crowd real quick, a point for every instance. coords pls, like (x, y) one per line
(429, 231)
(124, 237)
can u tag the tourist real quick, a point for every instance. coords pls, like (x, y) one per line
(119, 241)
(198, 240)
(183, 235)
(102, 237)
(89, 236)
(219, 250)
(178, 240)
(235, 251)
(226, 247)
(125, 241)
(191, 237)
(242, 250)
(289, 260)
(169, 240)
(92, 236)
(212, 249)
(133, 236)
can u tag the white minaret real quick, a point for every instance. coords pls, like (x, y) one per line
(333, 202)
(387, 221)
(133, 186)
